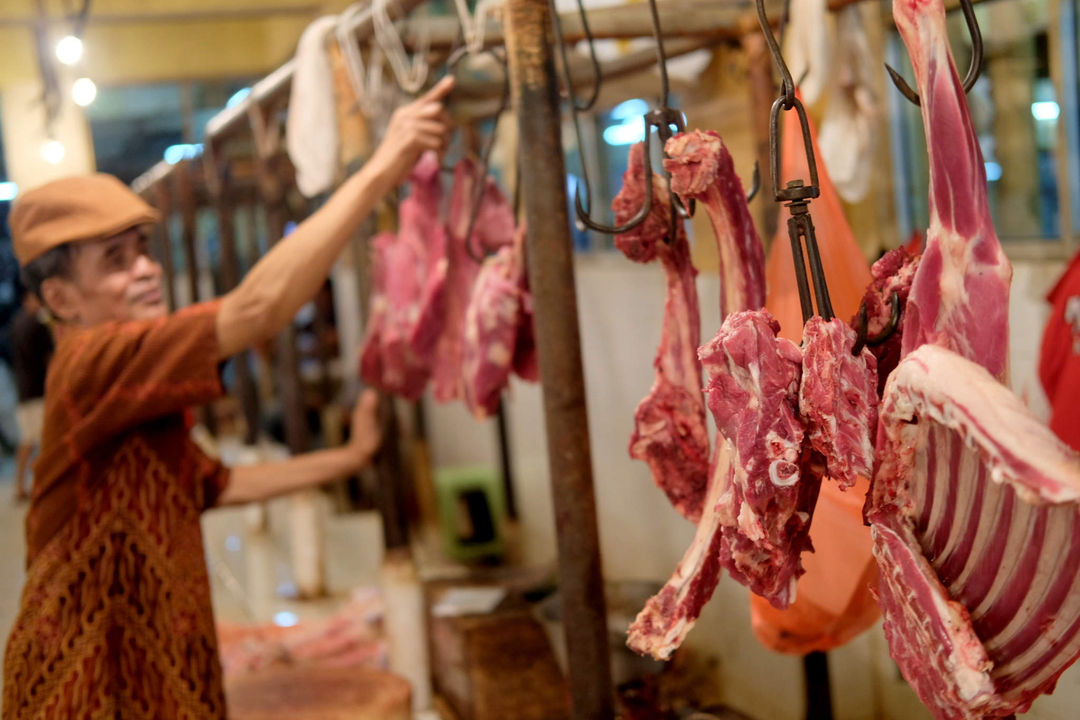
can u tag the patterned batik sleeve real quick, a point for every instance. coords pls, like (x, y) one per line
(116, 376)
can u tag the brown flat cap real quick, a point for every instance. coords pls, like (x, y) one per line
(74, 209)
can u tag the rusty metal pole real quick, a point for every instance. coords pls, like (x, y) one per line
(558, 341)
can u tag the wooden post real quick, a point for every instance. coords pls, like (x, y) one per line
(220, 184)
(307, 542)
(185, 196)
(551, 278)
(164, 206)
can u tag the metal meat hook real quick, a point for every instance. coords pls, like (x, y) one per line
(862, 336)
(796, 193)
(485, 160)
(973, 69)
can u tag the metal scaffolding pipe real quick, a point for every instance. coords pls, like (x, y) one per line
(551, 277)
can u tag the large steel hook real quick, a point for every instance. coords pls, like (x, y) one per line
(976, 57)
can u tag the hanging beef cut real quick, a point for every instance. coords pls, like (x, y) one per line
(498, 328)
(974, 504)
(892, 278)
(408, 281)
(838, 399)
(758, 511)
(975, 512)
(670, 431)
(493, 228)
(702, 169)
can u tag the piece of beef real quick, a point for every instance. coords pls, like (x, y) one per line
(892, 273)
(838, 399)
(494, 228)
(758, 506)
(408, 279)
(526, 364)
(702, 169)
(960, 294)
(495, 322)
(973, 506)
(670, 430)
(975, 512)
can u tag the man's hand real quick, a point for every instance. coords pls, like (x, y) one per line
(415, 128)
(365, 433)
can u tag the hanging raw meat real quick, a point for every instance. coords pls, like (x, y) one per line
(834, 603)
(974, 513)
(670, 431)
(759, 511)
(893, 275)
(974, 505)
(702, 169)
(408, 280)
(497, 325)
(493, 228)
(838, 399)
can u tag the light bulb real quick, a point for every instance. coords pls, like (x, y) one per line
(69, 50)
(53, 151)
(83, 91)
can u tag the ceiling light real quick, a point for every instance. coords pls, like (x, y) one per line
(69, 50)
(52, 152)
(83, 91)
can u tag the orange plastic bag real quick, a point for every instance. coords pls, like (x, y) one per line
(834, 602)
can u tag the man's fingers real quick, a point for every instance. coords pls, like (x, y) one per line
(440, 90)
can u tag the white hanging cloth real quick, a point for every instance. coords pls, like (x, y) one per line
(311, 132)
(849, 126)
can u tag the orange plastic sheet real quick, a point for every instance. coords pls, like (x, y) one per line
(834, 602)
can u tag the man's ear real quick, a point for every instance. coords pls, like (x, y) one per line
(61, 298)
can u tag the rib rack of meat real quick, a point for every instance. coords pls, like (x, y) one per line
(974, 503)
(493, 228)
(975, 512)
(670, 431)
(408, 278)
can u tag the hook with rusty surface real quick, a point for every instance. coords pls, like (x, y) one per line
(798, 193)
(862, 336)
(485, 157)
(973, 69)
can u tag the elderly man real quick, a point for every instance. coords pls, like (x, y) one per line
(116, 619)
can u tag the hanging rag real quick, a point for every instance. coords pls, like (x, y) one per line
(834, 602)
(806, 47)
(848, 127)
(311, 132)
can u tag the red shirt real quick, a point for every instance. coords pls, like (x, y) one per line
(115, 620)
(1059, 364)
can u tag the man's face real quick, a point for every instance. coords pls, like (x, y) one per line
(114, 279)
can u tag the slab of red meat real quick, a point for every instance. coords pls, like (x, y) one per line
(893, 273)
(838, 399)
(975, 512)
(408, 281)
(758, 508)
(702, 169)
(960, 295)
(494, 228)
(495, 321)
(973, 505)
(670, 430)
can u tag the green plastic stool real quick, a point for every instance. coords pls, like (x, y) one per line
(471, 512)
